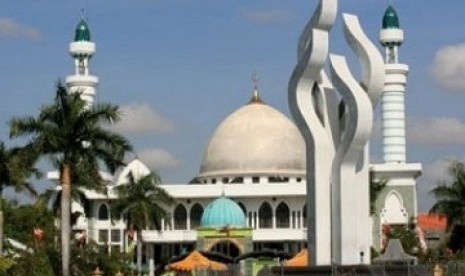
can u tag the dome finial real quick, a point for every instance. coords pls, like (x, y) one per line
(255, 96)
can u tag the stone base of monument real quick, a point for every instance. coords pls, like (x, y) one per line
(354, 270)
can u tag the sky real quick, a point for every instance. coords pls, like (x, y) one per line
(177, 68)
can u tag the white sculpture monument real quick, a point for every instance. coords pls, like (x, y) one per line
(335, 118)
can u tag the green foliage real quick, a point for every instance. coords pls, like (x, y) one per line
(407, 237)
(375, 189)
(450, 196)
(85, 259)
(5, 264)
(74, 137)
(71, 133)
(16, 166)
(20, 221)
(142, 201)
(35, 263)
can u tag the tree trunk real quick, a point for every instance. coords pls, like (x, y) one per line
(65, 218)
(2, 223)
(139, 252)
(1, 229)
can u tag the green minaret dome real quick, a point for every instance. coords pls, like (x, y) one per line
(223, 212)
(390, 19)
(82, 31)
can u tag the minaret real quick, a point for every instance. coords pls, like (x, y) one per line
(396, 203)
(82, 49)
(393, 113)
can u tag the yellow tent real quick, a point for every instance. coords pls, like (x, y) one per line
(300, 259)
(196, 260)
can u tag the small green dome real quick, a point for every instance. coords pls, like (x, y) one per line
(390, 19)
(223, 212)
(82, 31)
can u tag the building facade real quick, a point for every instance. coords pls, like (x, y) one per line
(250, 192)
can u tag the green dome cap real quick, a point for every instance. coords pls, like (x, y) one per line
(82, 31)
(223, 212)
(390, 19)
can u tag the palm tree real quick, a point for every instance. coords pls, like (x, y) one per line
(53, 196)
(451, 196)
(143, 203)
(73, 135)
(16, 167)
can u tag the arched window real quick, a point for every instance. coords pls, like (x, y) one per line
(304, 216)
(282, 216)
(196, 215)
(265, 215)
(103, 212)
(180, 218)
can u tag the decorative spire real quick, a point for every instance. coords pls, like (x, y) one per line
(82, 32)
(255, 96)
(390, 19)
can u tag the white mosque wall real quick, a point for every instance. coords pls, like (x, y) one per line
(268, 226)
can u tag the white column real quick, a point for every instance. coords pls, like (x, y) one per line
(393, 113)
(150, 249)
(82, 81)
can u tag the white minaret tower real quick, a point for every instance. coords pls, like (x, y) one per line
(393, 113)
(82, 49)
(396, 203)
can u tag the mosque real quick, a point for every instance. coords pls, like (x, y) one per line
(250, 192)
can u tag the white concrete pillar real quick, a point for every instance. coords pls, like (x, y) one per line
(393, 114)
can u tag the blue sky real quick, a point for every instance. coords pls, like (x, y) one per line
(181, 66)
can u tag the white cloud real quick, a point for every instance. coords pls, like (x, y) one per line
(267, 16)
(11, 29)
(437, 131)
(141, 118)
(432, 174)
(157, 158)
(449, 67)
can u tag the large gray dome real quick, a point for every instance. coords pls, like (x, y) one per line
(256, 139)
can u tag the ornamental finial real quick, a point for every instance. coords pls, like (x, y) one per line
(255, 96)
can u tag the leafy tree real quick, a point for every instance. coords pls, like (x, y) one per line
(450, 196)
(23, 219)
(72, 134)
(85, 259)
(16, 166)
(143, 202)
(35, 263)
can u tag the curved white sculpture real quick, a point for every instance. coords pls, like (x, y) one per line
(305, 90)
(336, 123)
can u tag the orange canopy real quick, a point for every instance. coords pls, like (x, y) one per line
(300, 259)
(196, 260)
